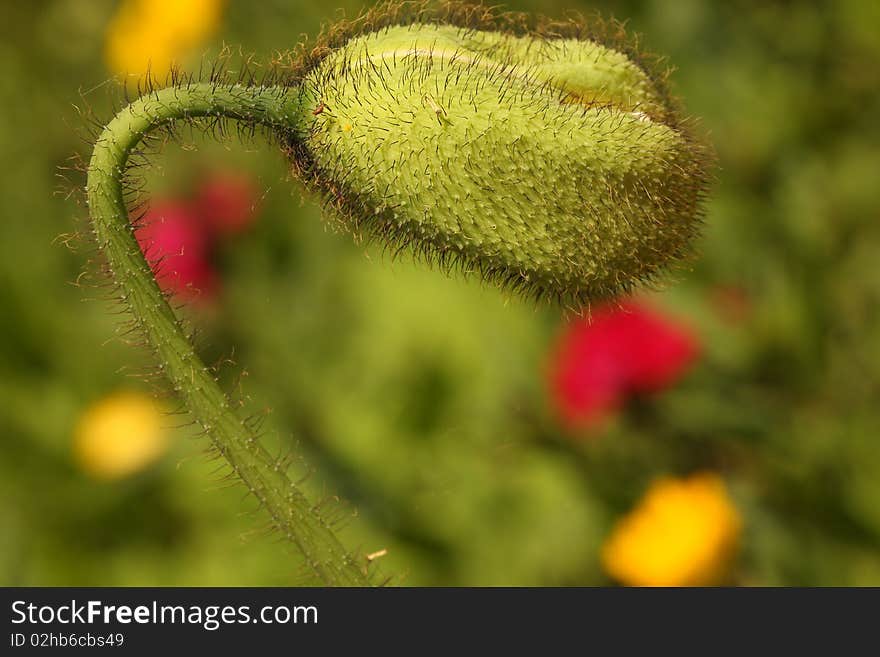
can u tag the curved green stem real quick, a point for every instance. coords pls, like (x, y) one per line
(280, 109)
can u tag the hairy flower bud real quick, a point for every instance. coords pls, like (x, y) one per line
(548, 163)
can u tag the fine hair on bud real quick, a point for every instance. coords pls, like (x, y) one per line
(548, 157)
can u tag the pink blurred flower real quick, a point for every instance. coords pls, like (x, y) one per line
(620, 351)
(226, 202)
(178, 248)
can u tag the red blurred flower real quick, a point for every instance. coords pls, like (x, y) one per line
(179, 237)
(177, 247)
(226, 202)
(620, 351)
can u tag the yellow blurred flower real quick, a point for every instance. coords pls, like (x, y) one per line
(154, 34)
(682, 533)
(120, 435)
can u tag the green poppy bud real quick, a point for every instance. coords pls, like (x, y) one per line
(555, 165)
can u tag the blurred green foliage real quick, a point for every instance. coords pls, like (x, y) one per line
(420, 398)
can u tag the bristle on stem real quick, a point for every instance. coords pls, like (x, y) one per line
(275, 108)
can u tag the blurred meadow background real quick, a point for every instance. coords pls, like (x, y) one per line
(723, 430)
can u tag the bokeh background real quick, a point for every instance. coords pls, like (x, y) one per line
(428, 402)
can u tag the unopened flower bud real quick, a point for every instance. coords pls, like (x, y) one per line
(555, 165)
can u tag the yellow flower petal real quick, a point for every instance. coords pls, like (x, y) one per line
(682, 533)
(154, 34)
(120, 435)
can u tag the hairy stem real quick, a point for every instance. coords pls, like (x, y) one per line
(279, 109)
